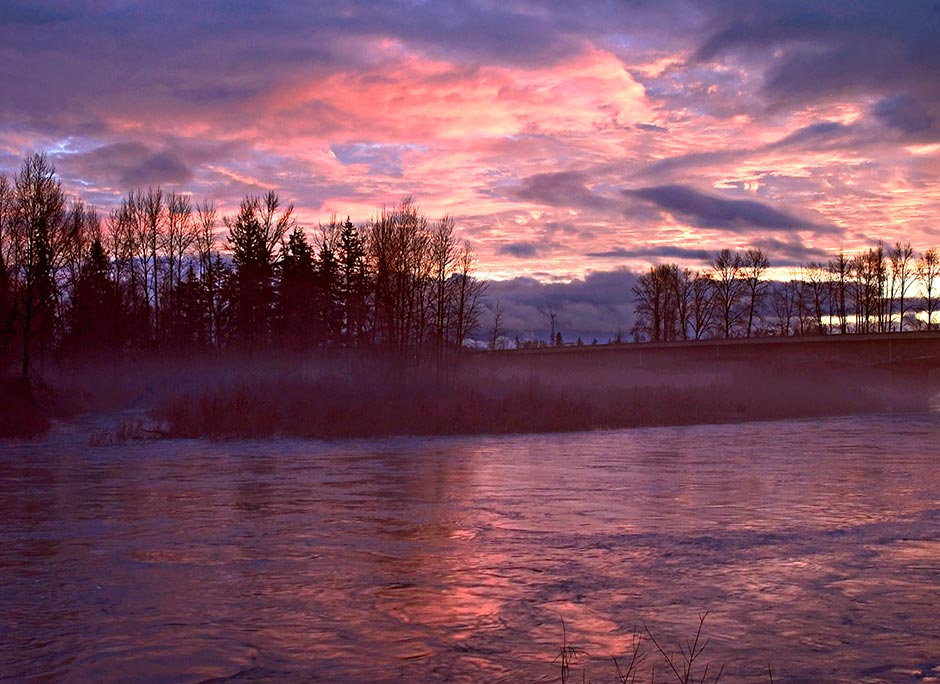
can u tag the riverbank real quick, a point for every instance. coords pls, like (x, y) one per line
(373, 401)
(337, 396)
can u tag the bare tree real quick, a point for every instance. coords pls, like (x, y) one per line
(840, 270)
(701, 306)
(657, 308)
(466, 302)
(444, 249)
(177, 241)
(868, 289)
(7, 301)
(728, 290)
(816, 289)
(398, 251)
(683, 294)
(784, 296)
(754, 267)
(211, 271)
(36, 234)
(148, 216)
(902, 274)
(496, 331)
(928, 269)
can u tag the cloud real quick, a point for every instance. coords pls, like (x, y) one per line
(596, 306)
(380, 158)
(127, 165)
(818, 135)
(655, 252)
(520, 250)
(651, 128)
(562, 188)
(526, 121)
(824, 51)
(910, 115)
(732, 215)
(790, 252)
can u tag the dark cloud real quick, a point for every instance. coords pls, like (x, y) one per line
(651, 128)
(520, 250)
(681, 162)
(563, 188)
(733, 215)
(126, 165)
(817, 135)
(655, 252)
(910, 115)
(595, 306)
(820, 51)
(780, 253)
(13, 12)
(790, 252)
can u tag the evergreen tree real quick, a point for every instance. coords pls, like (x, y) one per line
(296, 314)
(328, 291)
(254, 236)
(92, 311)
(354, 284)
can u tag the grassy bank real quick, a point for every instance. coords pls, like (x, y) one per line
(370, 401)
(24, 410)
(256, 396)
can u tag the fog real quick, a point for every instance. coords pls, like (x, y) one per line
(357, 395)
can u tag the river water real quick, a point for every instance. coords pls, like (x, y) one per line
(813, 545)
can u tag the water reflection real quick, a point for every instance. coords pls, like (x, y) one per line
(815, 545)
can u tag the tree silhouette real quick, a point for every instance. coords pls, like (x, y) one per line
(328, 286)
(255, 234)
(840, 272)
(902, 273)
(753, 268)
(354, 284)
(928, 268)
(37, 242)
(295, 315)
(93, 306)
(728, 290)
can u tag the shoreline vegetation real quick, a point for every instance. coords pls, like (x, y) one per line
(388, 307)
(334, 407)
(230, 396)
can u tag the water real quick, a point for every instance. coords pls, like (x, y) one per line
(814, 546)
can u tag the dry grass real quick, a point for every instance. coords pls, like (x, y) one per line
(24, 413)
(684, 664)
(231, 396)
(375, 400)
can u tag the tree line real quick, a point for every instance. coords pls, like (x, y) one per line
(154, 274)
(880, 289)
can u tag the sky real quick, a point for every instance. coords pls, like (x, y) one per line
(573, 143)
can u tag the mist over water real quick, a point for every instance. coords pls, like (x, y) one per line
(813, 544)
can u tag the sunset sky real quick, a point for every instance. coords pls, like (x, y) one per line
(570, 141)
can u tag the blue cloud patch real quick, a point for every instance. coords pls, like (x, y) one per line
(386, 160)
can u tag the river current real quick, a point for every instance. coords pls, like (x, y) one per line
(813, 546)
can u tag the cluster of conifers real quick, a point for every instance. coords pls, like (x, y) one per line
(875, 291)
(152, 276)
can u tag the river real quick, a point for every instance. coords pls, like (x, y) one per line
(813, 545)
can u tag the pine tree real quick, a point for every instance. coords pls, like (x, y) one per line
(354, 284)
(295, 311)
(254, 236)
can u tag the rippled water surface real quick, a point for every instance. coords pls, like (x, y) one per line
(814, 545)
